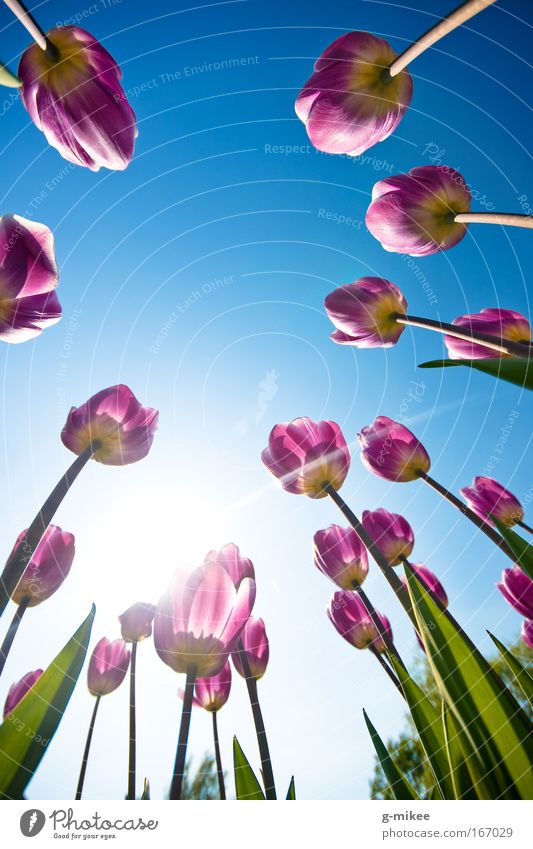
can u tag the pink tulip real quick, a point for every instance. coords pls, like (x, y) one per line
(28, 277)
(136, 622)
(390, 533)
(113, 418)
(486, 497)
(108, 666)
(76, 99)
(306, 456)
(429, 580)
(341, 556)
(231, 559)
(415, 213)
(254, 642)
(212, 693)
(18, 690)
(48, 567)
(517, 588)
(527, 632)
(365, 312)
(349, 616)
(503, 324)
(198, 622)
(391, 451)
(351, 102)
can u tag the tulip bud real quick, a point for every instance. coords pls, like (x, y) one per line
(390, 533)
(18, 690)
(502, 324)
(341, 556)
(108, 666)
(254, 643)
(517, 588)
(212, 693)
(47, 568)
(365, 312)
(486, 497)
(391, 451)
(136, 622)
(349, 616)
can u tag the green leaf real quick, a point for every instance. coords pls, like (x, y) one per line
(512, 369)
(522, 676)
(399, 786)
(7, 78)
(27, 731)
(146, 790)
(521, 549)
(291, 792)
(456, 746)
(246, 784)
(428, 723)
(497, 729)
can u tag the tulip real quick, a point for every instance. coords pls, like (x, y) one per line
(341, 556)
(488, 498)
(230, 558)
(391, 451)
(351, 102)
(502, 324)
(391, 533)
(116, 423)
(517, 588)
(73, 94)
(46, 569)
(527, 632)
(28, 277)
(196, 626)
(365, 313)
(307, 457)
(348, 614)
(253, 644)
(432, 583)
(107, 669)
(19, 689)
(135, 625)
(426, 211)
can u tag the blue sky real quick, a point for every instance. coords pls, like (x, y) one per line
(197, 277)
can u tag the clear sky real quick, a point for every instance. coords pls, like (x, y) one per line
(197, 277)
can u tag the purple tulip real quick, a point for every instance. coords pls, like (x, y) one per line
(391, 451)
(231, 559)
(136, 622)
(429, 580)
(527, 632)
(503, 324)
(48, 567)
(351, 102)
(349, 616)
(198, 621)
(212, 693)
(517, 588)
(76, 99)
(415, 213)
(487, 497)
(306, 456)
(341, 556)
(108, 666)
(255, 645)
(364, 313)
(28, 277)
(18, 690)
(116, 420)
(390, 533)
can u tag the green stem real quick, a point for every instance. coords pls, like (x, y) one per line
(220, 771)
(11, 633)
(181, 753)
(525, 527)
(85, 758)
(262, 741)
(381, 660)
(499, 344)
(371, 610)
(133, 731)
(21, 556)
(466, 511)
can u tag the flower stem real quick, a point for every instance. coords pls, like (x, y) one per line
(220, 771)
(503, 346)
(262, 741)
(133, 730)
(85, 758)
(511, 219)
(389, 573)
(525, 527)
(29, 22)
(450, 22)
(21, 556)
(381, 660)
(371, 610)
(181, 753)
(10, 636)
(483, 526)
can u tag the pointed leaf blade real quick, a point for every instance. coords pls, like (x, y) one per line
(399, 785)
(291, 792)
(522, 676)
(521, 549)
(7, 78)
(511, 369)
(247, 786)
